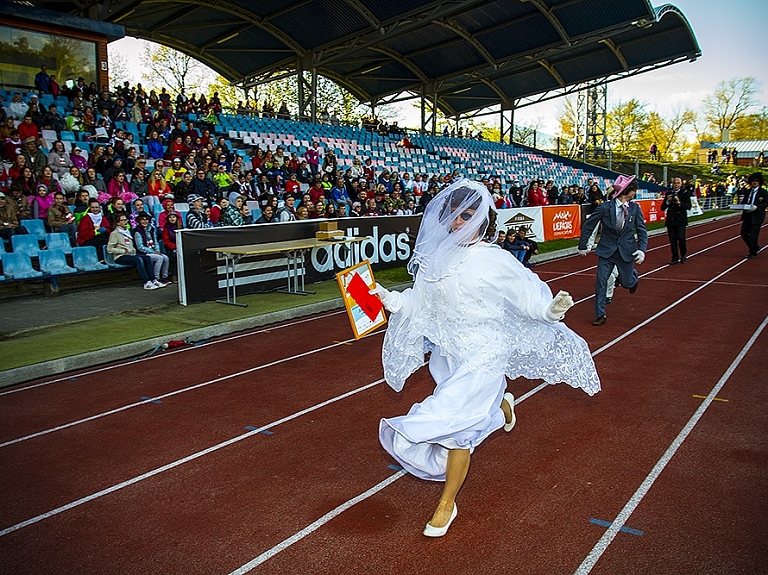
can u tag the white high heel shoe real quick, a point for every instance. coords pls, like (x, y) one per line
(510, 399)
(430, 531)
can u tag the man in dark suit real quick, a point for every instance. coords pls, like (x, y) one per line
(751, 219)
(623, 241)
(676, 203)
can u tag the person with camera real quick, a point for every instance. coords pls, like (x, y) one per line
(676, 204)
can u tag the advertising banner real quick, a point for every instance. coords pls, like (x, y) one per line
(202, 274)
(528, 218)
(652, 211)
(561, 222)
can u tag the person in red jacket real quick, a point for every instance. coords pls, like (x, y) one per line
(536, 196)
(94, 228)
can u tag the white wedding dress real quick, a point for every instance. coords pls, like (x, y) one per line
(487, 319)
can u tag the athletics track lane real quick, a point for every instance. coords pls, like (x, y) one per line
(409, 518)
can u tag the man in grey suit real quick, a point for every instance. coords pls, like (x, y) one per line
(623, 241)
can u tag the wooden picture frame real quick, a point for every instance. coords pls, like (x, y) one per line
(360, 321)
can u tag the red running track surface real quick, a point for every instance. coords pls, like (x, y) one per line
(149, 467)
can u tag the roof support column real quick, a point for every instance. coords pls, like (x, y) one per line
(434, 114)
(506, 114)
(301, 83)
(313, 96)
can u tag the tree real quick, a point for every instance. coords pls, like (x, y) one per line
(118, 69)
(173, 70)
(729, 102)
(668, 133)
(751, 126)
(567, 120)
(625, 123)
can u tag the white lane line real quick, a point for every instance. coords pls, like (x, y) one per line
(262, 330)
(653, 271)
(178, 462)
(306, 531)
(178, 391)
(241, 437)
(298, 536)
(581, 271)
(170, 352)
(621, 519)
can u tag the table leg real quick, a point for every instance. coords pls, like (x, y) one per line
(295, 258)
(231, 284)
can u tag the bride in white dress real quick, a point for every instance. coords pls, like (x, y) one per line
(483, 316)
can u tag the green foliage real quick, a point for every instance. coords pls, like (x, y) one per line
(730, 102)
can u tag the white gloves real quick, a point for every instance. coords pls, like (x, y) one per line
(584, 252)
(752, 208)
(561, 303)
(639, 257)
(392, 300)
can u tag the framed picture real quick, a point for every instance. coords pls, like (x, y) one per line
(365, 311)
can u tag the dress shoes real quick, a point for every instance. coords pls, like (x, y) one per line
(682, 260)
(608, 300)
(510, 399)
(633, 289)
(599, 321)
(430, 531)
(674, 262)
(751, 256)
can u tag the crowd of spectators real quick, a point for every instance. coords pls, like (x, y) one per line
(182, 161)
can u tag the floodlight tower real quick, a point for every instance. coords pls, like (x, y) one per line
(591, 139)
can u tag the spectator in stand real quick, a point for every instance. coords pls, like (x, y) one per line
(223, 181)
(371, 208)
(288, 212)
(114, 208)
(536, 196)
(304, 174)
(20, 202)
(77, 159)
(28, 131)
(14, 149)
(203, 186)
(145, 239)
(52, 120)
(172, 225)
(175, 173)
(94, 228)
(676, 204)
(158, 187)
(154, 146)
(595, 196)
(302, 213)
(14, 172)
(9, 218)
(313, 156)
(566, 197)
(121, 245)
(196, 217)
(184, 188)
(61, 219)
(17, 109)
(41, 202)
(267, 216)
(552, 191)
(514, 247)
(338, 194)
(228, 215)
(91, 178)
(175, 149)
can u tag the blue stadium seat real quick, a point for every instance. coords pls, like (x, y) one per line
(67, 136)
(54, 262)
(85, 259)
(110, 259)
(58, 242)
(26, 244)
(36, 227)
(19, 266)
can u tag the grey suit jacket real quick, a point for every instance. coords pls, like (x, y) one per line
(632, 237)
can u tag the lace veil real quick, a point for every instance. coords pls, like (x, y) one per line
(437, 245)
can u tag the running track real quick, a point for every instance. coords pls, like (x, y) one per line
(258, 452)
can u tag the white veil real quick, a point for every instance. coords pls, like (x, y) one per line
(436, 245)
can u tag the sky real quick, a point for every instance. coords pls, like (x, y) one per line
(730, 36)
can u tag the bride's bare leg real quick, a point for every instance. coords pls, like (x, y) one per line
(505, 407)
(455, 474)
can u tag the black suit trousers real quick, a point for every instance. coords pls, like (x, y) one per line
(677, 241)
(750, 232)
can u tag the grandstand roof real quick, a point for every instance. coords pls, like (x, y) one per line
(470, 53)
